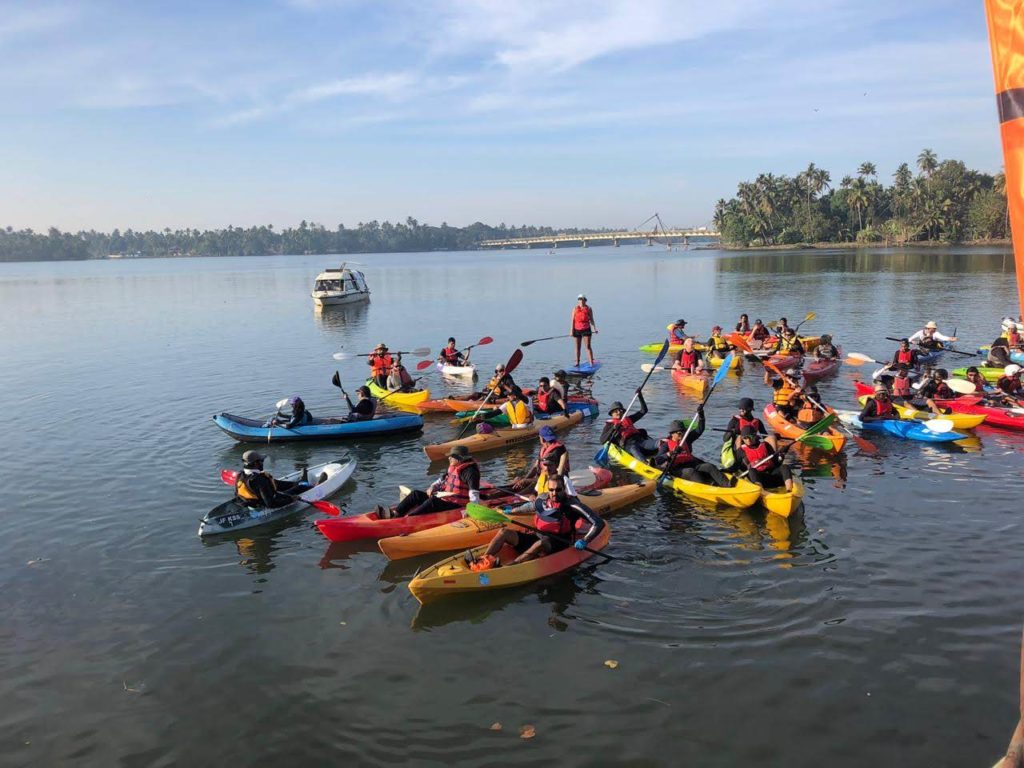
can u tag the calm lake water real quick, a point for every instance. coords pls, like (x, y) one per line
(881, 627)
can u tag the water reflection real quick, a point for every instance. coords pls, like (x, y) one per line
(342, 320)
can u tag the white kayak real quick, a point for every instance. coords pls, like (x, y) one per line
(885, 372)
(234, 516)
(463, 371)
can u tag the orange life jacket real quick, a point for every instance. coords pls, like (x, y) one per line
(454, 484)
(381, 363)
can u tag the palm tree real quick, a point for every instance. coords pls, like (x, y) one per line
(859, 199)
(815, 180)
(867, 169)
(927, 162)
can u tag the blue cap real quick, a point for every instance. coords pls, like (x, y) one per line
(547, 433)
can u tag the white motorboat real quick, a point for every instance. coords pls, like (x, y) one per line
(340, 286)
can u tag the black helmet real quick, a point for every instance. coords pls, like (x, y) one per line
(677, 426)
(746, 404)
(680, 322)
(616, 406)
(748, 431)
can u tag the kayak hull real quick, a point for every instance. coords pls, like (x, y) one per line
(783, 502)
(989, 373)
(458, 371)
(452, 576)
(816, 369)
(716, 362)
(252, 431)
(697, 383)
(743, 495)
(232, 516)
(468, 533)
(960, 420)
(502, 438)
(994, 416)
(781, 426)
(406, 399)
(907, 430)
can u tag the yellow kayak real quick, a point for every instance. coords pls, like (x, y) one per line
(715, 362)
(398, 398)
(783, 502)
(742, 495)
(960, 420)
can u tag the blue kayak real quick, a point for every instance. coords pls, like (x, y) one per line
(254, 431)
(907, 430)
(584, 369)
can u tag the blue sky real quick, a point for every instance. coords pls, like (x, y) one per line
(204, 114)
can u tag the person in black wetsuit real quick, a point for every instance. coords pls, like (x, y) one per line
(676, 454)
(764, 463)
(363, 410)
(256, 488)
(936, 388)
(745, 418)
(621, 430)
(295, 416)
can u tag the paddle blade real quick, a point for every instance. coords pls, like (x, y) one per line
(341, 356)
(281, 403)
(821, 426)
(484, 341)
(939, 426)
(528, 343)
(422, 365)
(485, 514)
(817, 441)
(810, 316)
(229, 476)
(855, 361)
(865, 445)
(723, 370)
(336, 380)
(326, 507)
(648, 367)
(961, 386)
(420, 351)
(514, 361)
(850, 356)
(664, 351)
(737, 340)
(601, 457)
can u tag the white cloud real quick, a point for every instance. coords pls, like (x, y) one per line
(389, 84)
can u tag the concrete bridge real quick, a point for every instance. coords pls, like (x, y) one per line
(656, 235)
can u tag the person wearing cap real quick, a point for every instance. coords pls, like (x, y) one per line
(688, 359)
(936, 388)
(789, 343)
(786, 392)
(879, 406)
(553, 460)
(1010, 382)
(258, 489)
(518, 409)
(293, 414)
(765, 465)
(399, 378)
(501, 384)
(549, 400)
(675, 454)
(677, 332)
(744, 418)
(929, 337)
(759, 335)
(905, 356)
(365, 407)
(582, 326)
(716, 346)
(557, 516)
(561, 384)
(743, 326)
(826, 350)
(452, 356)
(621, 430)
(457, 486)
(380, 363)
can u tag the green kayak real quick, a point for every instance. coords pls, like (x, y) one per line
(990, 374)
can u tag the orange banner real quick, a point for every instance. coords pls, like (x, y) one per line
(1006, 36)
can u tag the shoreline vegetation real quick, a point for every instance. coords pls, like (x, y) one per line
(997, 242)
(944, 203)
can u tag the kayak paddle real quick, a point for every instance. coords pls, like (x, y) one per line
(859, 358)
(468, 350)
(488, 515)
(545, 338)
(601, 457)
(719, 375)
(511, 365)
(422, 365)
(810, 316)
(961, 386)
(809, 433)
(940, 349)
(418, 352)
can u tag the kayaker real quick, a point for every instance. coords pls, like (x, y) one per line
(782, 327)
(258, 489)
(548, 399)
(518, 409)
(583, 325)
(380, 363)
(809, 413)
(743, 326)
(293, 414)
(929, 337)
(688, 359)
(676, 454)
(745, 418)
(765, 465)
(364, 409)
(789, 343)
(621, 430)
(1013, 336)
(905, 356)
(826, 350)
(759, 335)
(786, 393)
(999, 350)
(561, 384)
(974, 376)
(553, 460)
(450, 355)
(901, 387)
(460, 485)
(716, 346)
(399, 379)
(879, 406)
(677, 332)
(936, 388)
(501, 384)
(556, 515)
(1010, 382)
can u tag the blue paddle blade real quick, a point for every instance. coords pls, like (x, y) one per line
(661, 355)
(601, 457)
(723, 369)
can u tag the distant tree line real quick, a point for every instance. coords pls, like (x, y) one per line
(371, 237)
(944, 202)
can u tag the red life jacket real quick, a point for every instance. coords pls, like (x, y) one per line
(581, 318)
(754, 455)
(755, 423)
(901, 387)
(548, 448)
(678, 333)
(688, 360)
(626, 427)
(381, 363)
(542, 400)
(882, 408)
(685, 454)
(1009, 384)
(453, 483)
(451, 356)
(550, 519)
(905, 357)
(760, 333)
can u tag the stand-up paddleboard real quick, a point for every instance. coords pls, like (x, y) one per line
(584, 369)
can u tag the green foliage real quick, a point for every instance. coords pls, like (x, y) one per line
(946, 201)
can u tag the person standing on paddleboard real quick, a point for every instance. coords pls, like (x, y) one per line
(583, 326)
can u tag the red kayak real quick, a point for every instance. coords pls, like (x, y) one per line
(369, 526)
(818, 369)
(995, 416)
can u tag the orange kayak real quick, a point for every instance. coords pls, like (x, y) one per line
(695, 382)
(781, 426)
(502, 438)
